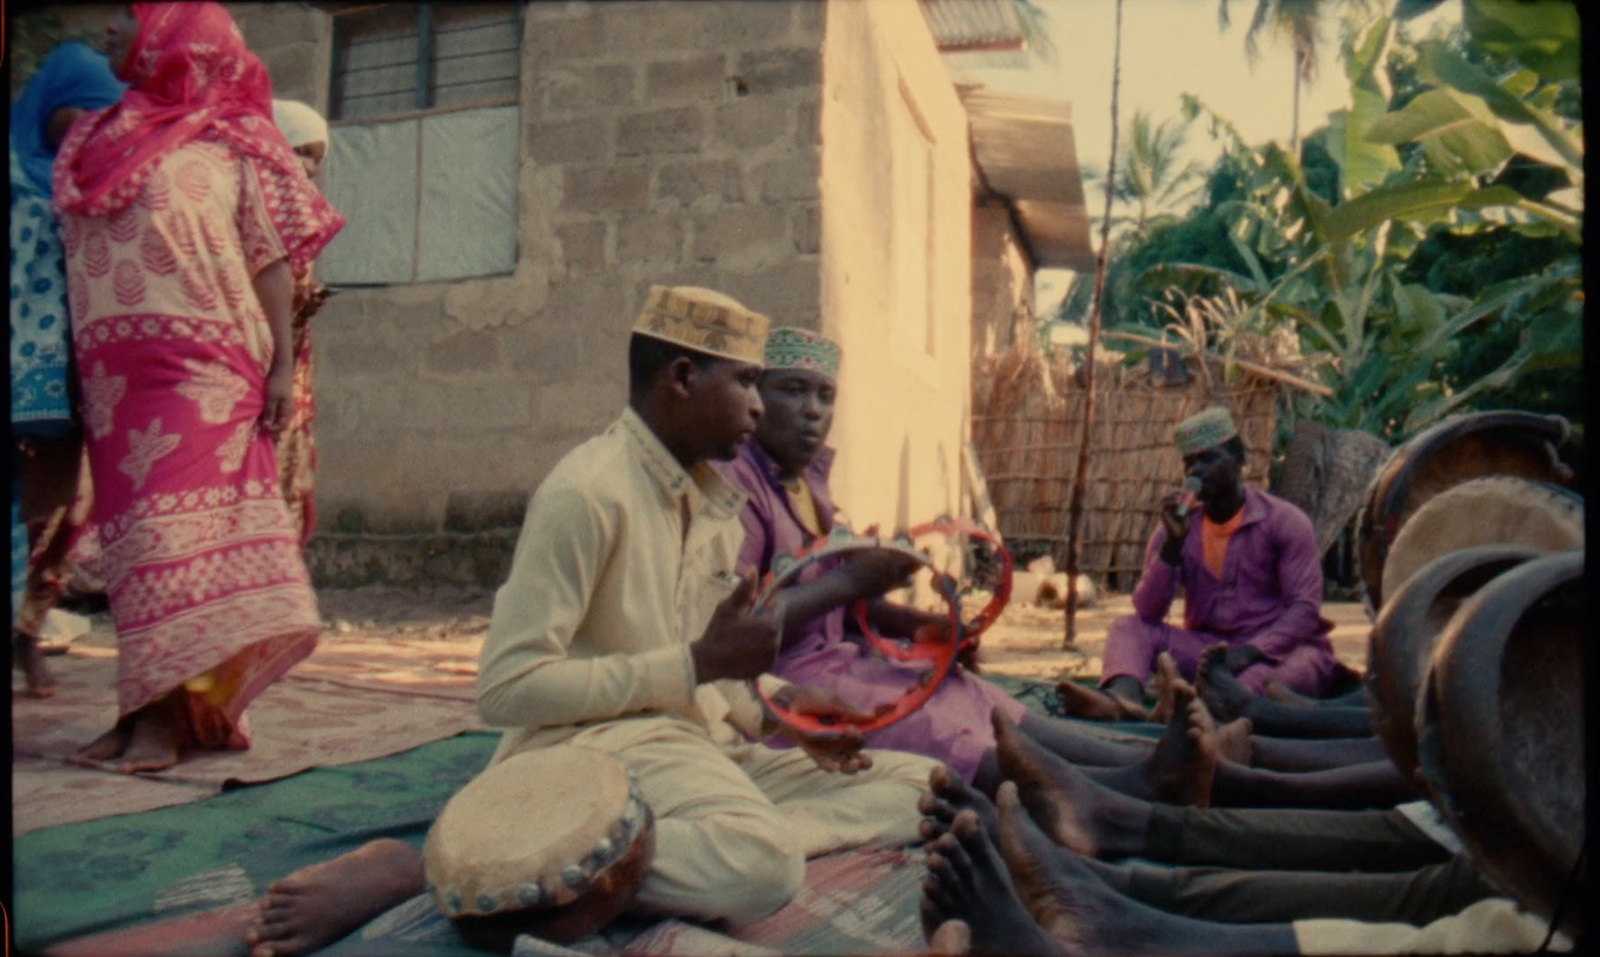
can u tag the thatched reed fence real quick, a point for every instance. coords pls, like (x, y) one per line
(1026, 424)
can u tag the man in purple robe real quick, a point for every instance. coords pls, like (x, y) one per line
(784, 472)
(1251, 576)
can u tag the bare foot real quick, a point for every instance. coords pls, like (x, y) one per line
(104, 748)
(28, 657)
(1077, 910)
(967, 883)
(1095, 704)
(952, 795)
(1278, 691)
(1236, 742)
(1222, 693)
(317, 905)
(1166, 674)
(953, 938)
(1184, 761)
(1075, 811)
(152, 742)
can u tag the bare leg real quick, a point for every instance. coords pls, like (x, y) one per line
(1278, 691)
(28, 657)
(1074, 810)
(1082, 745)
(1357, 787)
(1227, 699)
(967, 882)
(1164, 680)
(317, 905)
(1315, 754)
(1085, 916)
(1236, 742)
(1180, 768)
(1119, 700)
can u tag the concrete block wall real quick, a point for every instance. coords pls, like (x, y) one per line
(644, 159)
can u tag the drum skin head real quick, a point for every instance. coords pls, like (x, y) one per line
(1460, 448)
(558, 834)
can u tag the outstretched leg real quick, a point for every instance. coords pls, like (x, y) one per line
(1119, 700)
(1085, 916)
(1227, 699)
(317, 905)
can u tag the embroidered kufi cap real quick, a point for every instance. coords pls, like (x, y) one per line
(705, 321)
(1204, 429)
(790, 347)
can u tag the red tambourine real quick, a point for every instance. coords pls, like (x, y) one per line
(971, 630)
(937, 647)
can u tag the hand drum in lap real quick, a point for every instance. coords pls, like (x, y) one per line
(553, 842)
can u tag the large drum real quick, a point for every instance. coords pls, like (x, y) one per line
(554, 843)
(1402, 639)
(1500, 731)
(1538, 448)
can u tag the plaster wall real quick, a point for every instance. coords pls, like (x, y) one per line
(903, 408)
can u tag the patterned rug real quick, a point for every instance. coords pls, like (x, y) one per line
(325, 712)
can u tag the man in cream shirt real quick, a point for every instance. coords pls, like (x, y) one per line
(623, 628)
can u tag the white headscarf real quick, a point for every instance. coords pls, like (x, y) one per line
(300, 124)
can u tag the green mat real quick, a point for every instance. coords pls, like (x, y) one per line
(81, 879)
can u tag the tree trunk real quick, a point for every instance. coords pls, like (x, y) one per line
(1326, 473)
(1081, 472)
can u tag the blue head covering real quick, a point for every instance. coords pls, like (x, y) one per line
(72, 75)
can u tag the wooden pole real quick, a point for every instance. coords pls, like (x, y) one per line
(1081, 472)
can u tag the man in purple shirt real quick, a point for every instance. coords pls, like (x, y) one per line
(784, 471)
(1251, 576)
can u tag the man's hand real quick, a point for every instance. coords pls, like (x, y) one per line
(874, 571)
(832, 752)
(1240, 657)
(1176, 527)
(737, 644)
(279, 406)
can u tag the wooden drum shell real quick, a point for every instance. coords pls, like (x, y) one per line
(1456, 450)
(1402, 639)
(1500, 729)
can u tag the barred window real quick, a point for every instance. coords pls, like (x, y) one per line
(424, 124)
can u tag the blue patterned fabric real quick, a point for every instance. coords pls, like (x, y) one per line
(19, 547)
(41, 346)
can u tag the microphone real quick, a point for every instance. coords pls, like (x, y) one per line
(1187, 501)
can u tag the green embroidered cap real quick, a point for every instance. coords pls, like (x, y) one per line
(1204, 429)
(789, 347)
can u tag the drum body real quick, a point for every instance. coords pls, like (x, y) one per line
(1402, 639)
(1539, 448)
(554, 842)
(1500, 731)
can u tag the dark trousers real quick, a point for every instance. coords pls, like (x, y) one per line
(1276, 839)
(1416, 897)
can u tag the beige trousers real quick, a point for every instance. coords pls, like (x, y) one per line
(736, 821)
(1493, 926)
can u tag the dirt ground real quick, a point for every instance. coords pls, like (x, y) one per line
(1025, 642)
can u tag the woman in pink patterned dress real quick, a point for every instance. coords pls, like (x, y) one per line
(185, 218)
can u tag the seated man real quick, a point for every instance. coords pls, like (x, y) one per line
(784, 472)
(1251, 577)
(622, 627)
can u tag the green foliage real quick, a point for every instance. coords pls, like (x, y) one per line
(1424, 246)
